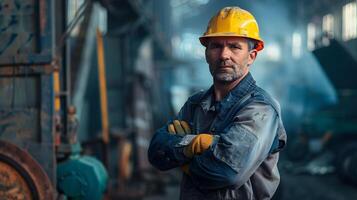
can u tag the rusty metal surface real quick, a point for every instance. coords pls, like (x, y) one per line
(21, 177)
(12, 183)
(25, 31)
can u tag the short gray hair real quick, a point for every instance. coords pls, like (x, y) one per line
(251, 44)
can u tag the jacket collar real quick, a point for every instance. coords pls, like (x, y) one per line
(246, 85)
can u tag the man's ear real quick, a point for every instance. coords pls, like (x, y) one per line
(252, 56)
(206, 55)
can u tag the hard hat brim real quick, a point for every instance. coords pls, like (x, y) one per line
(258, 47)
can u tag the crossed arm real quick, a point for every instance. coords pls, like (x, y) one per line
(224, 159)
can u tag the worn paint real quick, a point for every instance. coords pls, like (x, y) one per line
(26, 114)
(17, 29)
(19, 125)
(25, 32)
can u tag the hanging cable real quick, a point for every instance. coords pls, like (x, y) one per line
(82, 10)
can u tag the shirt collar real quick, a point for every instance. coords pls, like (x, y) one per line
(207, 101)
(239, 91)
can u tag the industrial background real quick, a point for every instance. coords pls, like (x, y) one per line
(84, 84)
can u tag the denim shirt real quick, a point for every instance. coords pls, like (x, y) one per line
(241, 163)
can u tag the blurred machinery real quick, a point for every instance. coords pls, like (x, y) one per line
(332, 129)
(339, 121)
(79, 95)
(329, 134)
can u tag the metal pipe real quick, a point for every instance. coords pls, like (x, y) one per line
(102, 88)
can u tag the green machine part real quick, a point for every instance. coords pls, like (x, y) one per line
(82, 177)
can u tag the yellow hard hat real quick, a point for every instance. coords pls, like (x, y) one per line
(233, 21)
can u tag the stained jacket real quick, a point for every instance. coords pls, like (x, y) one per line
(242, 161)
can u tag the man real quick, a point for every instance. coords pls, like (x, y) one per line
(226, 139)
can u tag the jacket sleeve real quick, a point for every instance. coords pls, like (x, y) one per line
(164, 150)
(239, 151)
(164, 153)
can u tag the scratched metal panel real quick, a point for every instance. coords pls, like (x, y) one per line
(25, 31)
(19, 92)
(26, 115)
(19, 124)
(19, 114)
(47, 158)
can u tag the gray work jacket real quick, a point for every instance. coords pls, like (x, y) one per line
(242, 160)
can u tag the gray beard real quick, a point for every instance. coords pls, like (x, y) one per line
(225, 77)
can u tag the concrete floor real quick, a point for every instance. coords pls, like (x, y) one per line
(322, 187)
(172, 193)
(295, 187)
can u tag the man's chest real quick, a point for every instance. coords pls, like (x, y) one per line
(203, 122)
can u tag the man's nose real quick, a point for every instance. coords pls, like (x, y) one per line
(225, 53)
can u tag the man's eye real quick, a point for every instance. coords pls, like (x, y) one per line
(235, 47)
(214, 46)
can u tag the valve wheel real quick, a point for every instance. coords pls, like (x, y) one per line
(21, 177)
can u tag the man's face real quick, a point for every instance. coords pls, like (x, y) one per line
(229, 58)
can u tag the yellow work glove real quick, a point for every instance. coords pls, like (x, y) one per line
(198, 145)
(179, 127)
